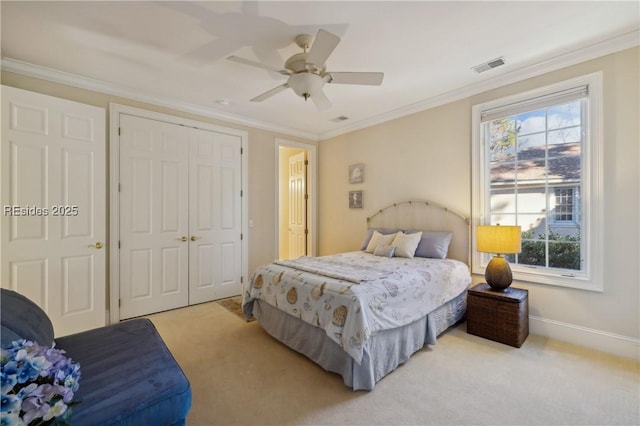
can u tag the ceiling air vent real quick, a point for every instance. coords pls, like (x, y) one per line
(489, 65)
(339, 119)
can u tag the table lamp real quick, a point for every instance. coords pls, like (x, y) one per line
(499, 240)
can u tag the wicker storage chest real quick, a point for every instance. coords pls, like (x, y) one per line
(502, 316)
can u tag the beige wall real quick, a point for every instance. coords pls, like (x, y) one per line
(262, 172)
(427, 156)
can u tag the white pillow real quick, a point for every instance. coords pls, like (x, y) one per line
(378, 239)
(406, 244)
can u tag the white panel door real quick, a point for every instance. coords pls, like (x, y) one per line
(215, 223)
(154, 218)
(297, 206)
(53, 199)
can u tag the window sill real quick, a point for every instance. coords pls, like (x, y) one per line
(549, 277)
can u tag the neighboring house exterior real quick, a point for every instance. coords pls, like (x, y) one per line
(560, 210)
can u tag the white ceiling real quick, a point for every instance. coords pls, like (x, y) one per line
(173, 53)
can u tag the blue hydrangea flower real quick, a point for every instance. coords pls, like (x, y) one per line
(38, 384)
(7, 381)
(9, 402)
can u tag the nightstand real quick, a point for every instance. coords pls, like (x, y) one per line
(502, 316)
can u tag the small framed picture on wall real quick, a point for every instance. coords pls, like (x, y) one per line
(356, 173)
(355, 199)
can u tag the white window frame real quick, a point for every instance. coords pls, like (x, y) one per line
(591, 194)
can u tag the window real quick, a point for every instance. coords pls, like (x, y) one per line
(564, 207)
(537, 164)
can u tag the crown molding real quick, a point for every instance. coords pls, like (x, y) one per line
(559, 61)
(563, 60)
(74, 80)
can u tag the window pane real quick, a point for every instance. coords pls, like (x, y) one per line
(532, 201)
(534, 225)
(532, 171)
(565, 135)
(532, 122)
(564, 254)
(564, 115)
(503, 172)
(565, 169)
(503, 202)
(531, 146)
(533, 253)
(502, 137)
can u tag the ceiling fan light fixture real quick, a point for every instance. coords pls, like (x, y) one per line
(305, 85)
(307, 70)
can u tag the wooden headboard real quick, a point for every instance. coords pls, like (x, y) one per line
(427, 216)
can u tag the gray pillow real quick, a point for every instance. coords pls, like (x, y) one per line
(367, 238)
(385, 251)
(433, 244)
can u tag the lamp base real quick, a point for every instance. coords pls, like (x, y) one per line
(498, 273)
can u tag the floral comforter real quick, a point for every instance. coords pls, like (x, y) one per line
(355, 295)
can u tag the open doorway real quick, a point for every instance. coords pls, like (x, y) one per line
(295, 223)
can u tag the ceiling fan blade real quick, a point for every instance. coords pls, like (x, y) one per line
(366, 78)
(270, 93)
(320, 100)
(322, 47)
(257, 64)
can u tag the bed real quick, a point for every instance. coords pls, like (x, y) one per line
(361, 314)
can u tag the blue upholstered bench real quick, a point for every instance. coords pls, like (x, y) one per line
(129, 377)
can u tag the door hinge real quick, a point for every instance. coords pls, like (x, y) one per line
(306, 232)
(241, 279)
(241, 237)
(241, 151)
(306, 162)
(306, 196)
(118, 243)
(119, 131)
(119, 187)
(241, 193)
(119, 302)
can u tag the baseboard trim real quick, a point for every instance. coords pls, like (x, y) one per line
(628, 347)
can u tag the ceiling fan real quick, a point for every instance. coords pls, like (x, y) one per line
(307, 71)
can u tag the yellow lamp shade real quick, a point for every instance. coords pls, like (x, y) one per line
(498, 239)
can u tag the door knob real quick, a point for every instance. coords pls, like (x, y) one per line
(193, 238)
(97, 245)
(183, 238)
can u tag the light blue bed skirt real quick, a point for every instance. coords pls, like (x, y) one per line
(383, 352)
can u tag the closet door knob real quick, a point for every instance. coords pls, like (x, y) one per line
(97, 245)
(193, 238)
(183, 238)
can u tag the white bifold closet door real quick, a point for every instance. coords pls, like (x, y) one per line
(52, 238)
(180, 216)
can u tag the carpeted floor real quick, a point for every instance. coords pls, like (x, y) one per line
(241, 376)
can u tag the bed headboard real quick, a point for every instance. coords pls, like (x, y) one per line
(427, 216)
